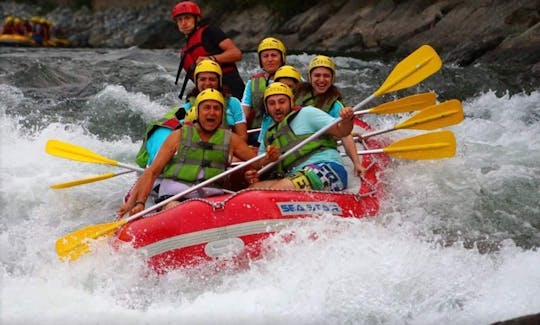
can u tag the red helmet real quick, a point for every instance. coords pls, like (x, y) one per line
(185, 7)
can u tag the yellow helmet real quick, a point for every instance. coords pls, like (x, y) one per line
(288, 71)
(17, 20)
(278, 88)
(272, 43)
(209, 94)
(8, 20)
(208, 66)
(35, 19)
(322, 61)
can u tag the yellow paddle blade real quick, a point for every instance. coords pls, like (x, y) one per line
(406, 104)
(433, 145)
(75, 244)
(435, 117)
(70, 151)
(419, 65)
(87, 180)
(83, 181)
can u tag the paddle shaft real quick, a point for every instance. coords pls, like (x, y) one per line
(194, 188)
(314, 136)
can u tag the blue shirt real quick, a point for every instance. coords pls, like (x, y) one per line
(308, 121)
(234, 115)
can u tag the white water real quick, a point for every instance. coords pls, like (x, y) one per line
(409, 265)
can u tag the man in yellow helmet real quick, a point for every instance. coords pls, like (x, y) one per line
(272, 53)
(208, 74)
(317, 165)
(192, 154)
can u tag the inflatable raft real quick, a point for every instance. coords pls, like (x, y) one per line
(27, 41)
(234, 226)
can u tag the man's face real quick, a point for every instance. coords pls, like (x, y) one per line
(210, 115)
(278, 106)
(186, 23)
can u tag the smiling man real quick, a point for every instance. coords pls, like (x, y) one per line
(194, 153)
(317, 165)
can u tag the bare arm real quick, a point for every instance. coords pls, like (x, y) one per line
(350, 149)
(144, 185)
(231, 53)
(241, 150)
(241, 130)
(344, 127)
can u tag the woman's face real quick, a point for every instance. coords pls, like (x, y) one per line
(291, 82)
(270, 60)
(321, 80)
(207, 80)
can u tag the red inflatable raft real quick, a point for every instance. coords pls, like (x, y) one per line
(234, 226)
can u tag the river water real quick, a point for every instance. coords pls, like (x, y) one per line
(456, 241)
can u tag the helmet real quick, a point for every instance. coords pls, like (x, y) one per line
(209, 94)
(208, 66)
(271, 43)
(35, 19)
(17, 20)
(288, 71)
(278, 88)
(322, 61)
(9, 19)
(186, 7)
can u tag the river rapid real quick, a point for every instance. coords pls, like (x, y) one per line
(456, 241)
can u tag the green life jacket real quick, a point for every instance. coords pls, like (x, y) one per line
(171, 120)
(258, 85)
(308, 99)
(282, 136)
(193, 154)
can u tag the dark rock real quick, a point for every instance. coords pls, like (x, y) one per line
(524, 320)
(498, 33)
(157, 35)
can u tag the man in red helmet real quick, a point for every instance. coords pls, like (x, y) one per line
(207, 42)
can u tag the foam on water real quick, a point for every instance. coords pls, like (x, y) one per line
(456, 240)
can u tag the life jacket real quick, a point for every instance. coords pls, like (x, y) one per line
(308, 99)
(258, 85)
(193, 154)
(194, 49)
(171, 120)
(282, 136)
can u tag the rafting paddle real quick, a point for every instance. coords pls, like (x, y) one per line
(403, 105)
(407, 104)
(75, 244)
(434, 145)
(416, 67)
(70, 151)
(433, 117)
(87, 180)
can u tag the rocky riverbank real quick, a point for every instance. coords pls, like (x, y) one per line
(501, 34)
